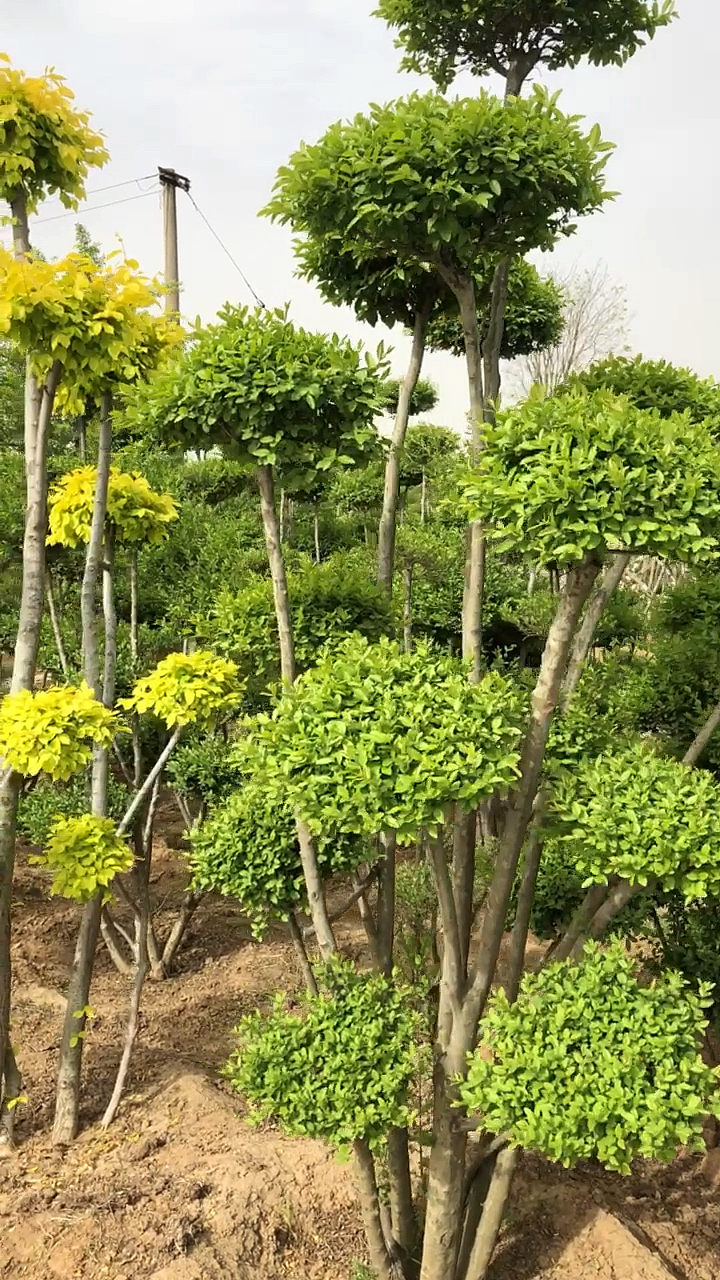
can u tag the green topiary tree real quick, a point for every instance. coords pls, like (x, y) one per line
(424, 182)
(271, 395)
(511, 39)
(541, 1059)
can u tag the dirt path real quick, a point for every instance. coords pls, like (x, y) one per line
(182, 1189)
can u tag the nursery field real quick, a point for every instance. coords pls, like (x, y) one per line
(182, 1189)
(359, 773)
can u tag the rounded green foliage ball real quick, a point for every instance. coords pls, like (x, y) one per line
(339, 1067)
(590, 1064)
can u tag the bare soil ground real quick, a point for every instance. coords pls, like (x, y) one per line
(180, 1188)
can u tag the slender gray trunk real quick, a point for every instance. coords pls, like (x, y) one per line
(40, 401)
(388, 519)
(298, 942)
(463, 287)
(55, 624)
(134, 607)
(407, 608)
(316, 532)
(492, 1215)
(696, 748)
(67, 1097)
(38, 411)
(380, 1259)
(544, 700)
(586, 631)
(21, 228)
(308, 855)
(492, 345)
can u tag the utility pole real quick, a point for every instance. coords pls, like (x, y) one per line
(170, 181)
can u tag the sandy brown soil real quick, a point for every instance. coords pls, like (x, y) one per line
(180, 1188)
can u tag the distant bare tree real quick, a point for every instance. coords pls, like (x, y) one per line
(596, 319)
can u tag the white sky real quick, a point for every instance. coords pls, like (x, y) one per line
(224, 90)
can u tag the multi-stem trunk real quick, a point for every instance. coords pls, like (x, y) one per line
(388, 519)
(308, 856)
(67, 1098)
(545, 696)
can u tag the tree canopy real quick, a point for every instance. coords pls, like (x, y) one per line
(429, 180)
(443, 37)
(267, 392)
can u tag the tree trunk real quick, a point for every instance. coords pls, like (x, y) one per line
(696, 748)
(141, 969)
(298, 942)
(492, 1215)
(388, 519)
(494, 337)
(55, 624)
(588, 627)
(308, 855)
(464, 837)
(407, 608)
(423, 498)
(32, 596)
(544, 700)
(577, 929)
(67, 1097)
(380, 1259)
(526, 896)
(21, 229)
(9, 793)
(134, 607)
(402, 1209)
(316, 532)
(446, 1176)
(464, 289)
(38, 412)
(94, 557)
(190, 904)
(277, 572)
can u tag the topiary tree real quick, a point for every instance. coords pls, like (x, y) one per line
(445, 186)
(374, 741)
(84, 332)
(248, 850)
(510, 39)
(271, 395)
(371, 741)
(423, 399)
(46, 146)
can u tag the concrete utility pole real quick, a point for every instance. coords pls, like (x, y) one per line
(170, 181)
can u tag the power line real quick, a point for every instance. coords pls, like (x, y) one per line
(226, 251)
(113, 186)
(77, 213)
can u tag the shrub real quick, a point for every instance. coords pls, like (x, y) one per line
(590, 1064)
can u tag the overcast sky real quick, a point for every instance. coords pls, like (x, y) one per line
(224, 90)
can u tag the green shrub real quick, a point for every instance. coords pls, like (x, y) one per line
(39, 807)
(590, 1064)
(340, 1067)
(248, 850)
